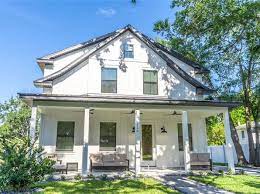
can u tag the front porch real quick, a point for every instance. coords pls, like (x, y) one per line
(159, 135)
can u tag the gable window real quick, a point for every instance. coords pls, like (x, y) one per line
(48, 66)
(65, 135)
(180, 136)
(243, 134)
(108, 80)
(129, 51)
(150, 79)
(107, 136)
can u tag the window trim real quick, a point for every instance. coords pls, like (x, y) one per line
(190, 145)
(110, 68)
(128, 51)
(66, 150)
(157, 88)
(100, 136)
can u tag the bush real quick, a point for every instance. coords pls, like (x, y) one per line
(62, 177)
(22, 164)
(78, 177)
(221, 172)
(104, 177)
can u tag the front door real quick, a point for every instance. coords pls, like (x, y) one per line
(147, 146)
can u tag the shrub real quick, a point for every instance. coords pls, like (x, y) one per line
(78, 177)
(221, 172)
(104, 177)
(22, 164)
(62, 177)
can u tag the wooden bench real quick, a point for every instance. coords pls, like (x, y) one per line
(58, 166)
(200, 161)
(105, 161)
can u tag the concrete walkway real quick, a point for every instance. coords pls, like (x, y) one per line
(185, 185)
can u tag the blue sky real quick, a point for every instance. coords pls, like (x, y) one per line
(31, 29)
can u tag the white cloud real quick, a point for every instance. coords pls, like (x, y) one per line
(106, 12)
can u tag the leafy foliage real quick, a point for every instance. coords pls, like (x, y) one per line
(224, 36)
(22, 164)
(215, 130)
(21, 161)
(14, 117)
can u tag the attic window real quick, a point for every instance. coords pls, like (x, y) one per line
(129, 51)
(48, 66)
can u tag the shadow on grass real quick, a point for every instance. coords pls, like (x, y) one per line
(253, 184)
(98, 186)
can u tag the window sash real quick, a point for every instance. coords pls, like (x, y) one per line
(107, 140)
(65, 135)
(180, 137)
(109, 80)
(129, 51)
(150, 82)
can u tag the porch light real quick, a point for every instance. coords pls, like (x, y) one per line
(133, 129)
(163, 130)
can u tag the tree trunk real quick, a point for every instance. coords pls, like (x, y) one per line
(240, 154)
(257, 150)
(250, 136)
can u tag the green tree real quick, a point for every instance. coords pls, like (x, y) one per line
(21, 160)
(215, 130)
(14, 117)
(224, 35)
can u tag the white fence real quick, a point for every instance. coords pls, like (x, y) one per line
(218, 153)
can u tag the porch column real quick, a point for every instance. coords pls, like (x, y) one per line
(186, 146)
(138, 135)
(229, 147)
(33, 122)
(85, 154)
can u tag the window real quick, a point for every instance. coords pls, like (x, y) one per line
(108, 80)
(150, 84)
(48, 66)
(107, 136)
(180, 136)
(65, 135)
(243, 134)
(129, 51)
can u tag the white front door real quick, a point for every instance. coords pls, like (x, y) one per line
(147, 147)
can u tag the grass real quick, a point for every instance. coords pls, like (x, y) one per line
(142, 185)
(233, 183)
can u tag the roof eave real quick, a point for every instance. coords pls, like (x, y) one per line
(45, 84)
(104, 99)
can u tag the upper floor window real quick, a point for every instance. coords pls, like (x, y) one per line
(150, 85)
(108, 80)
(65, 135)
(48, 66)
(129, 51)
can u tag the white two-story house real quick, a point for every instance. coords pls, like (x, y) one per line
(123, 92)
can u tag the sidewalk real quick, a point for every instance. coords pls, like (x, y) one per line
(186, 185)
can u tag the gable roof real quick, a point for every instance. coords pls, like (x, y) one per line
(106, 39)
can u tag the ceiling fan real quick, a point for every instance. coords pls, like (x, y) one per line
(174, 113)
(132, 112)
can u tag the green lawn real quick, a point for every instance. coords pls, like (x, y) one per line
(234, 183)
(145, 186)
